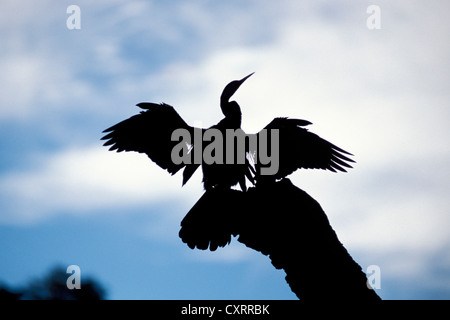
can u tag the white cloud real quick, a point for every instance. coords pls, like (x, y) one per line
(359, 87)
(81, 180)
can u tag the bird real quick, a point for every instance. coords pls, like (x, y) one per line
(227, 175)
(150, 132)
(294, 147)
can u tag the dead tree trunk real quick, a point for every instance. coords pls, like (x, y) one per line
(285, 223)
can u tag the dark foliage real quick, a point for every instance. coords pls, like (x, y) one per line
(53, 287)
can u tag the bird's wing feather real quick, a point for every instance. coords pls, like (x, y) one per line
(299, 148)
(149, 132)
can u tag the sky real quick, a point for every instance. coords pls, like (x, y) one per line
(380, 93)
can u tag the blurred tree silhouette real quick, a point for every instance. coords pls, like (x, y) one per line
(53, 287)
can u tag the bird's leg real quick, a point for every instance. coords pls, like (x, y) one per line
(242, 184)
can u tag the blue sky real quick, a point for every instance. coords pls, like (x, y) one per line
(381, 94)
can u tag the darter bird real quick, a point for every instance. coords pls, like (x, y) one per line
(151, 132)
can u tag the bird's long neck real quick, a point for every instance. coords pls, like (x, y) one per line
(232, 112)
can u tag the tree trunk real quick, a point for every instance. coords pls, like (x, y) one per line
(284, 222)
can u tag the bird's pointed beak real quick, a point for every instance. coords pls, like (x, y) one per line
(231, 88)
(245, 78)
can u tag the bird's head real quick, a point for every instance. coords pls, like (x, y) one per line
(229, 90)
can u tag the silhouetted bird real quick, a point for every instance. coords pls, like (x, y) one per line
(151, 131)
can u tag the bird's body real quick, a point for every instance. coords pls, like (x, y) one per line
(227, 175)
(151, 132)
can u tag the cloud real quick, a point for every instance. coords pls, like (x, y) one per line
(359, 87)
(81, 180)
(380, 94)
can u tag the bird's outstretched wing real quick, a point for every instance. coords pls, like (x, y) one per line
(299, 148)
(150, 132)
